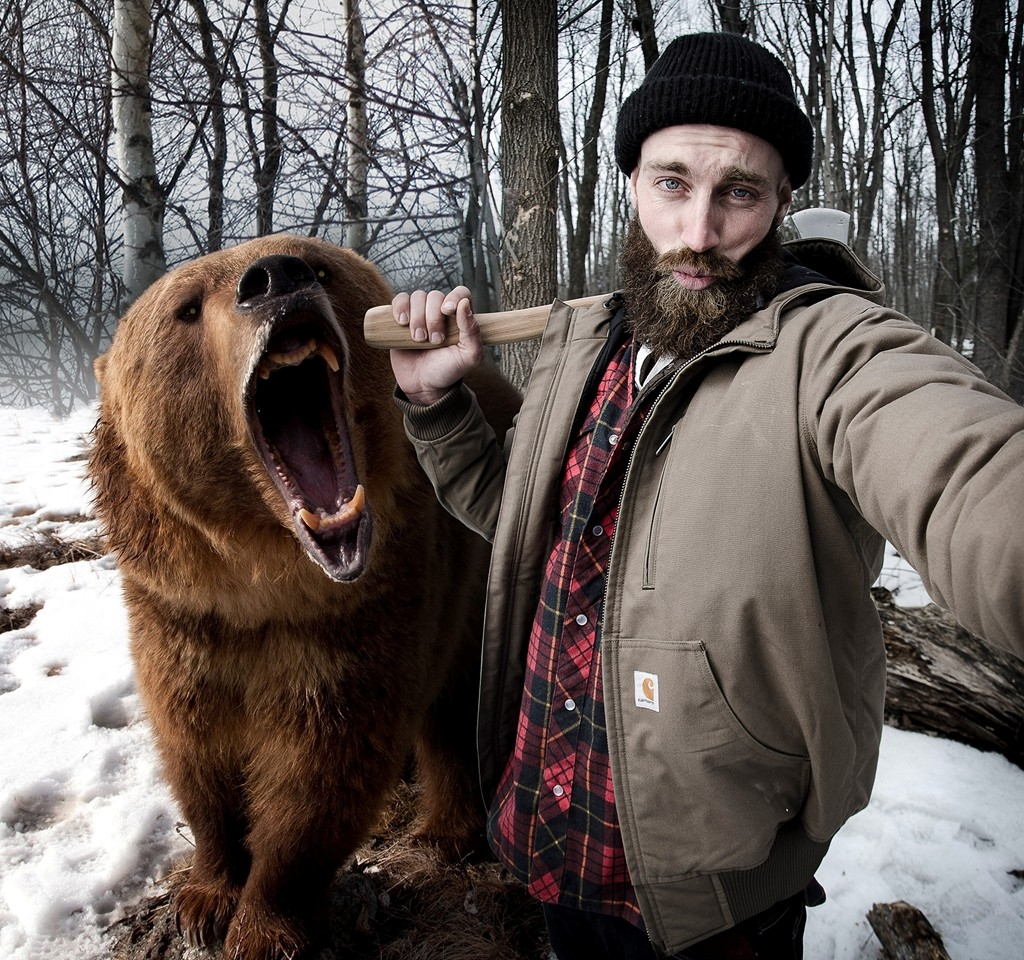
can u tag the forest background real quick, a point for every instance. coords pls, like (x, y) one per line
(471, 141)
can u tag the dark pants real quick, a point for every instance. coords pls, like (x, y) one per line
(774, 934)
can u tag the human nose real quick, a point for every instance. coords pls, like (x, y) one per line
(700, 229)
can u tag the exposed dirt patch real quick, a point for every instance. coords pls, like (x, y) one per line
(45, 550)
(18, 617)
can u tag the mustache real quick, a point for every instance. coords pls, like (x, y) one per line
(707, 263)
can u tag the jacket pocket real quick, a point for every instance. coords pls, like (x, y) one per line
(696, 792)
(651, 552)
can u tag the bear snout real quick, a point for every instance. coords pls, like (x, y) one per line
(273, 276)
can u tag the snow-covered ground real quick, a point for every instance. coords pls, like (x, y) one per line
(87, 825)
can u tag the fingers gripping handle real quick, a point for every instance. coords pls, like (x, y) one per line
(505, 326)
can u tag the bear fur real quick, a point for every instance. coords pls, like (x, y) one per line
(245, 430)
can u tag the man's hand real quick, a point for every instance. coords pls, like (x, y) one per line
(425, 376)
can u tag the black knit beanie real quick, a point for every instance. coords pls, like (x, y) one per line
(721, 79)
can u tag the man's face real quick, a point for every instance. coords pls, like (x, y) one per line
(701, 252)
(708, 190)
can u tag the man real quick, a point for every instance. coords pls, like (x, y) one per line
(683, 670)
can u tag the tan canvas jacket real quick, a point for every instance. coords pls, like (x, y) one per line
(750, 530)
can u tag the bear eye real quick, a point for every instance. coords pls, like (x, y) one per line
(322, 274)
(190, 310)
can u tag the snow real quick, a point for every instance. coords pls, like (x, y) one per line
(87, 826)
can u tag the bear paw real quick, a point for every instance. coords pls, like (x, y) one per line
(261, 934)
(203, 912)
(452, 845)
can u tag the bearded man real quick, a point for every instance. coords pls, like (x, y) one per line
(683, 670)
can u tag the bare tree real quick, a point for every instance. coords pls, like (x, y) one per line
(355, 111)
(999, 161)
(947, 101)
(479, 243)
(644, 27)
(144, 200)
(432, 116)
(908, 247)
(59, 206)
(529, 164)
(731, 16)
(214, 125)
(267, 161)
(258, 108)
(844, 51)
(579, 237)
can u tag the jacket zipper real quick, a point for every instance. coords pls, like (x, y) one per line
(755, 346)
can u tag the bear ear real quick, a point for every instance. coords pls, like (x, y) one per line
(98, 366)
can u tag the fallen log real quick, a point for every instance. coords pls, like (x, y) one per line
(943, 680)
(905, 933)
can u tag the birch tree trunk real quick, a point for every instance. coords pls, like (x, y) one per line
(143, 197)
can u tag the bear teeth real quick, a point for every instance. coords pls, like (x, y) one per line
(310, 519)
(327, 352)
(348, 512)
(292, 358)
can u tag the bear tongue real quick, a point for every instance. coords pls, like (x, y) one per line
(306, 458)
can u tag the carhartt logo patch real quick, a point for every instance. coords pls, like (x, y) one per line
(645, 686)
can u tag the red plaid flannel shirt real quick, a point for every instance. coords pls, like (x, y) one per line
(553, 821)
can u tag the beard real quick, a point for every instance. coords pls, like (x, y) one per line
(677, 322)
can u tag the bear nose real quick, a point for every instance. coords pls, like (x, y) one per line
(273, 277)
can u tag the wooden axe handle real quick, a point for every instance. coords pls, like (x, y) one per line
(505, 326)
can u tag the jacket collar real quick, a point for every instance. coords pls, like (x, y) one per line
(813, 269)
(817, 260)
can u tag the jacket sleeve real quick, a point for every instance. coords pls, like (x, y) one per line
(460, 454)
(931, 455)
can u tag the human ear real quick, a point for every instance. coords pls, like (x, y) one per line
(785, 201)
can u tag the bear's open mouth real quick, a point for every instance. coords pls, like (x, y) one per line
(297, 419)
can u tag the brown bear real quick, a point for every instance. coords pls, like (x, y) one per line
(303, 614)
